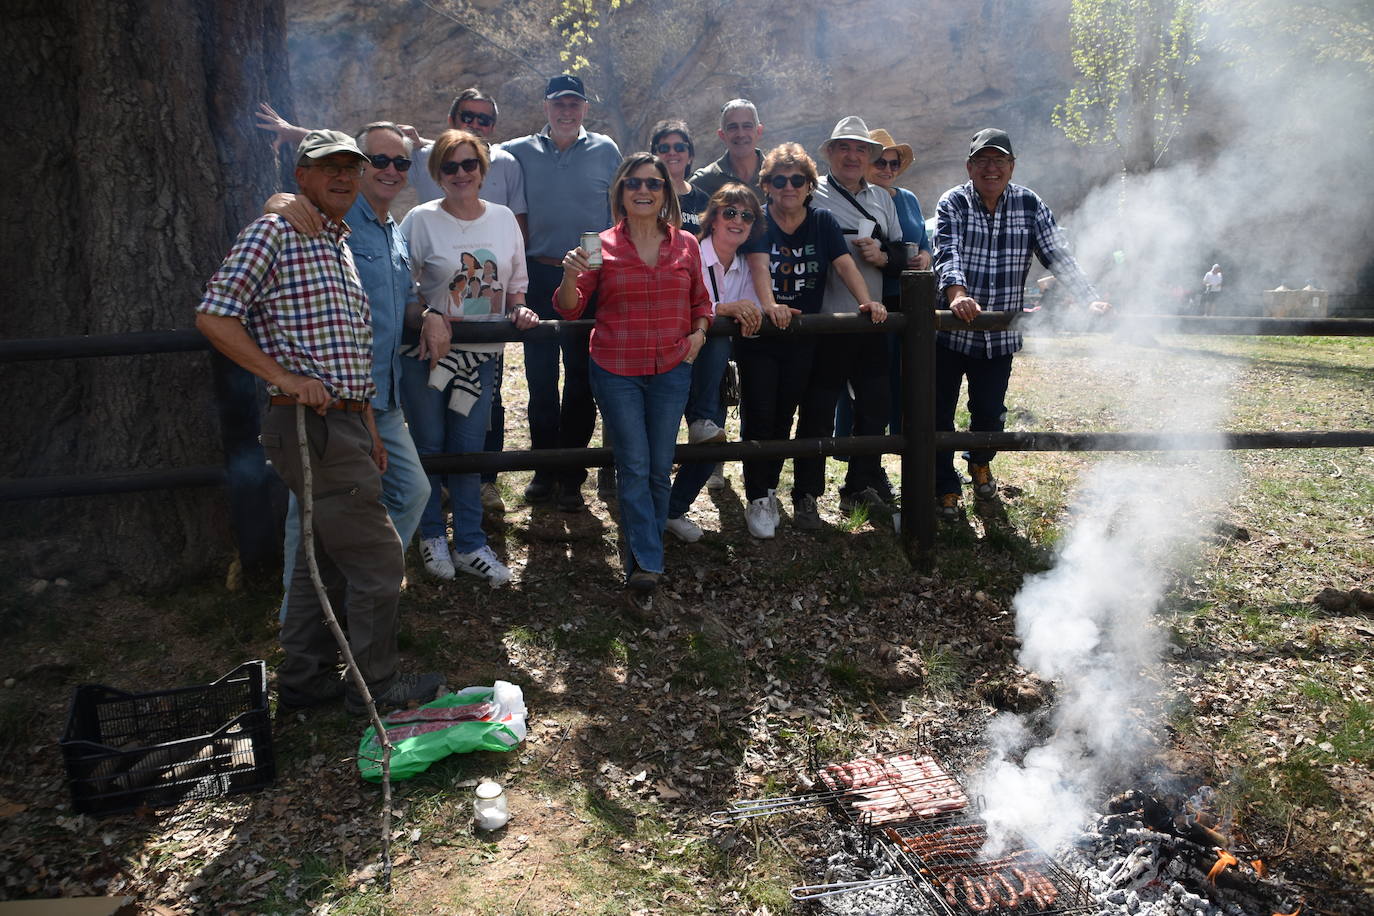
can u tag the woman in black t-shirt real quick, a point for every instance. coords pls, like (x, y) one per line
(672, 143)
(805, 244)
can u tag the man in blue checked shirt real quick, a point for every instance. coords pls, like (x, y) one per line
(986, 231)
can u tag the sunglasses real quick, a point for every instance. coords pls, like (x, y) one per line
(467, 117)
(781, 181)
(467, 165)
(380, 162)
(893, 164)
(729, 213)
(671, 148)
(653, 184)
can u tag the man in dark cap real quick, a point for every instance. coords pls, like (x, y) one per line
(568, 173)
(985, 233)
(291, 309)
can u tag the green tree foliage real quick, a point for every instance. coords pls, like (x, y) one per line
(1337, 34)
(577, 21)
(1132, 58)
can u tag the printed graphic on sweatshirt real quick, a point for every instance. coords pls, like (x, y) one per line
(475, 293)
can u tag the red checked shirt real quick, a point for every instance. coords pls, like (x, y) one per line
(301, 301)
(643, 313)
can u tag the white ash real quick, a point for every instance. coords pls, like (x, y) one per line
(854, 862)
(1129, 868)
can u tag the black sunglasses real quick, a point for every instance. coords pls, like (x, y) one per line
(671, 148)
(467, 165)
(780, 181)
(735, 213)
(887, 163)
(467, 117)
(653, 184)
(380, 162)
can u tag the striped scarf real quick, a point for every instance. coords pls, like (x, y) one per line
(459, 367)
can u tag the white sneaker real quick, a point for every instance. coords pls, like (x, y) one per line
(483, 563)
(684, 529)
(717, 479)
(761, 516)
(435, 553)
(700, 431)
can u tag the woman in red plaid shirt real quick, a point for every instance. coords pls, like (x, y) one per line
(652, 311)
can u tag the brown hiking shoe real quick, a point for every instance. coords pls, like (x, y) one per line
(984, 487)
(948, 509)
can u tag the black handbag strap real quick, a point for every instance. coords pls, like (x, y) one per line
(882, 236)
(715, 290)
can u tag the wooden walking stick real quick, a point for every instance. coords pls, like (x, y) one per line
(308, 534)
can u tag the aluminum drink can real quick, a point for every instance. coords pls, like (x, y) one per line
(591, 243)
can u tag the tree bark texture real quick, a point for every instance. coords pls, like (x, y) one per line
(140, 165)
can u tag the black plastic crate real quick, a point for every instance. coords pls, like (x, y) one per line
(129, 750)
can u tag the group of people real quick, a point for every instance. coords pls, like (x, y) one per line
(341, 309)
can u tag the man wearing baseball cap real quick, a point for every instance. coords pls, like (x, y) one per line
(985, 232)
(568, 173)
(290, 309)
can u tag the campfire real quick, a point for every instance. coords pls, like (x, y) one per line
(911, 839)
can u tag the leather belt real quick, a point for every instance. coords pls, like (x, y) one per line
(285, 400)
(552, 262)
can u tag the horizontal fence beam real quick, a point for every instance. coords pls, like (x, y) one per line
(15, 489)
(189, 340)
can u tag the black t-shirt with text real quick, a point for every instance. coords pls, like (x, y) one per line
(799, 261)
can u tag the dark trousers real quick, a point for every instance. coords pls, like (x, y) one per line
(844, 364)
(358, 551)
(496, 428)
(773, 374)
(557, 423)
(987, 392)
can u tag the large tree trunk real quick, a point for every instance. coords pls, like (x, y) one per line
(138, 165)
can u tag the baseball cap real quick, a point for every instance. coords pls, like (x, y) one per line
(566, 84)
(991, 137)
(320, 143)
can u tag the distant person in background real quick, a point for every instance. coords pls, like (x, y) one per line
(651, 323)
(1211, 289)
(986, 231)
(568, 172)
(732, 219)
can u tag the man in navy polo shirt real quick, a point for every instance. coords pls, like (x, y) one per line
(568, 173)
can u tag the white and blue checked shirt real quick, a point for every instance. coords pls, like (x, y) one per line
(989, 254)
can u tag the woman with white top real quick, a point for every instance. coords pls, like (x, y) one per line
(447, 395)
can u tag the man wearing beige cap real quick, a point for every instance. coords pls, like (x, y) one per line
(290, 309)
(854, 362)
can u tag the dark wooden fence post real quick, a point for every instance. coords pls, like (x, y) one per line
(918, 417)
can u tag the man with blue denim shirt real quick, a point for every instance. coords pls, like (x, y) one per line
(568, 173)
(383, 264)
(985, 233)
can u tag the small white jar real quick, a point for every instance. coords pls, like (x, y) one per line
(490, 807)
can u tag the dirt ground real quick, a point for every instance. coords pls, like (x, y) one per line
(758, 654)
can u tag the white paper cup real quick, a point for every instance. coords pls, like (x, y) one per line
(864, 229)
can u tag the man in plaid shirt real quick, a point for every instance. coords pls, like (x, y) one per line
(985, 233)
(290, 309)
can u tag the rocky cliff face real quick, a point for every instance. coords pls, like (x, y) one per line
(930, 73)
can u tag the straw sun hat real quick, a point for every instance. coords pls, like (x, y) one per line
(903, 149)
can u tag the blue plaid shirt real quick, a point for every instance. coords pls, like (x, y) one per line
(989, 255)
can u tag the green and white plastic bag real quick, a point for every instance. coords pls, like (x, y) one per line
(472, 719)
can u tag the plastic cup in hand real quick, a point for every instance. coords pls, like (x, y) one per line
(864, 229)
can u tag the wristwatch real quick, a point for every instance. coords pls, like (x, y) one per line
(431, 311)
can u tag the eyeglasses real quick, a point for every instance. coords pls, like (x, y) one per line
(729, 213)
(653, 184)
(334, 170)
(380, 162)
(887, 164)
(671, 148)
(1000, 162)
(467, 117)
(467, 165)
(781, 181)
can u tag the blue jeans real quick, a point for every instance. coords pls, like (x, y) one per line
(438, 430)
(987, 392)
(557, 423)
(703, 403)
(404, 491)
(643, 413)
